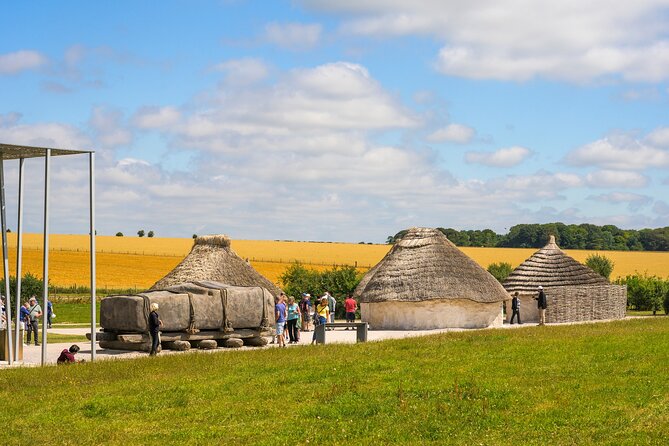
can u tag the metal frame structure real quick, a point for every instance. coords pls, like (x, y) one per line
(20, 152)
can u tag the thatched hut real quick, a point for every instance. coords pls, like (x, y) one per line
(573, 291)
(426, 282)
(212, 258)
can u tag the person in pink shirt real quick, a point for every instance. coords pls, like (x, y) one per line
(350, 305)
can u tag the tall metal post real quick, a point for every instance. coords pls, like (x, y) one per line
(5, 265)
(45, 273)
(19, 258)
(92, 233)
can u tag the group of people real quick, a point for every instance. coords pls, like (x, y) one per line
(293, 317)
(30, 314)
(542, 304)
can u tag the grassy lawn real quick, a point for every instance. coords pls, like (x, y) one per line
(602, 383)
(74, 313)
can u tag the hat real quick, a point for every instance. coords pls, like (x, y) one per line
(540, 287)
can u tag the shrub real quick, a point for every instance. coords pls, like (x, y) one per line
(646, 293)
(500, 271)
(30, 286)
(602, 265)
(119, 234)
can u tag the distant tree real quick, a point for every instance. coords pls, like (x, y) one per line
(119, 234)
(194, 236)
(500, 271)
(140, 233)
(9, 230)
(150, 234)
(602, 265)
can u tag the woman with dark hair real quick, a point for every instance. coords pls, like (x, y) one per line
(67, 355)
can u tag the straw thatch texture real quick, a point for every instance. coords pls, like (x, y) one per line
(212, 258)
(586, 303)
(425, 265)
(550, 267)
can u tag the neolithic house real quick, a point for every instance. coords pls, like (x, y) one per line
(573, 291)
(426, 282)
(212, 258)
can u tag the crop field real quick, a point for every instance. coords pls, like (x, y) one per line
(134, 262)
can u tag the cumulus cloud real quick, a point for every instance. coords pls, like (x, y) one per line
(457, 133)
(108, 126)
(567, 40)
(293, 36)
(659, 137)
(616, 178)
(507, 157)
(661, 208)
(156, 117)
(633, 201)
(622, 152)
(13, 63)
(243, 71)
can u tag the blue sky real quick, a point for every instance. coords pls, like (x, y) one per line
(340, 120)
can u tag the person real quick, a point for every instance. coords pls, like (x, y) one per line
(154, 328)
(34, 313)
(294, 316)
(49, 313)
(280, 317)
(350, 305)
(25, 317)
(3, 317)
(542, 305)
(332, 303)
(305, 310)
(67, 355)
(515, 307)
(322, 315)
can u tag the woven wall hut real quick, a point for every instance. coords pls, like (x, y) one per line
(212, 258)
(574, 292)
(426, 282)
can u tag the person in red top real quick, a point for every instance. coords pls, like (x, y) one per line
(67, 355)
(350, 305)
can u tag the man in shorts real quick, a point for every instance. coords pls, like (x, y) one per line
(280, 316)
(350, 306)
(305, 310)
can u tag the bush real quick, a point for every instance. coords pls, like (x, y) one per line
(500, 271)
(602, 265)
(646, 293)
(30, 286)
(339, 281)
(119, 234)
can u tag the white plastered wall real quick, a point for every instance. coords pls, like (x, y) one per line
(431, 314)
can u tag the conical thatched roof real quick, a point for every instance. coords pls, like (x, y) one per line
(212, 258)
(425, 265)
(550, 267)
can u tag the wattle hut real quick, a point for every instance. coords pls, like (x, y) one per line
(212, 259)
(426, 282)
(573, 291)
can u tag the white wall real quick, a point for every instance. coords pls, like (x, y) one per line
(431, 314)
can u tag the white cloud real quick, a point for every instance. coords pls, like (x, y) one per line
(13, 63)
(243, 71)
(457, 133)
(659, 137)
(616, 178)
(622, 152)
(293, 36)
(522, 39)
(538, 186)
(661, 208)
(633, 201)
(109, 128)
(507, 157)
(156, 117)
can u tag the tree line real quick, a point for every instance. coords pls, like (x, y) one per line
(583, 236)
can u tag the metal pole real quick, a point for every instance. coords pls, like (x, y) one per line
(92, 234)
(45, 271)
(19, 258)
(5, 265)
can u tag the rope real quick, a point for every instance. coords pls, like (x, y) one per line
(191, 324)
(264, 325)
(227, 326)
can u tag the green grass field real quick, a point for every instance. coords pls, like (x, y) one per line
(604, 383)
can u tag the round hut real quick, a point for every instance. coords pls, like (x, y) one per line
(426, 282)
(212, 258)
(573, 291)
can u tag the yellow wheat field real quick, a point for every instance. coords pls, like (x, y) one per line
(133, 262)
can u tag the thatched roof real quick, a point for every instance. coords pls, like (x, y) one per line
(212, 258)
(425, 265)
(550, 267)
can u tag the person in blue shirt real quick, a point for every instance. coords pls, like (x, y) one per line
(280, 317)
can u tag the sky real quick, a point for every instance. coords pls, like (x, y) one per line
(339, 120)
